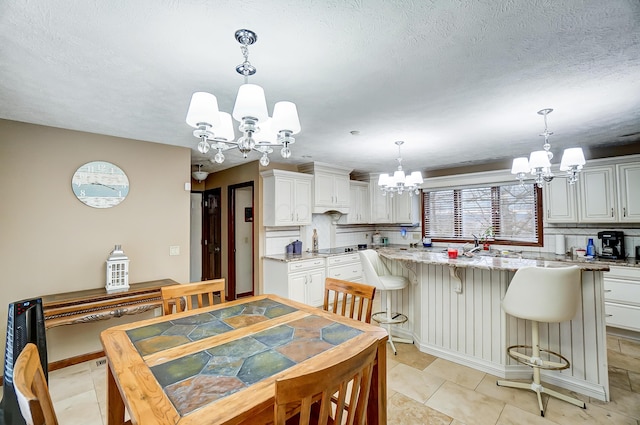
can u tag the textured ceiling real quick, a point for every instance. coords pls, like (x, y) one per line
(459, 81)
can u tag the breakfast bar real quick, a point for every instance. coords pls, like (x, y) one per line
(455, 309)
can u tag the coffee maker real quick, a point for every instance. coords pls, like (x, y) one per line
(612, 245)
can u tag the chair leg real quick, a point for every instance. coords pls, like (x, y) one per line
(390, 317)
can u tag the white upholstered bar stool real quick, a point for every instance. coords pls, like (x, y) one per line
(377, 274)
(542, 294)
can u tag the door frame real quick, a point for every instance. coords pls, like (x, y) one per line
(231, 232)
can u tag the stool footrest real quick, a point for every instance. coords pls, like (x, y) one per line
(396, 318)
(528, 360)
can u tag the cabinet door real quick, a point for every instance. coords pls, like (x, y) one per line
(302, 210)
(406, 209)
(354, 207)
(560, 201)
(364, 204)
(380, 205)
(323, 189)
(284, 195)
(597, 195)
(315, 287)
(341, 191)
(628, 192)
(298, 287)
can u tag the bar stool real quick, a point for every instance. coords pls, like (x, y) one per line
(547, 295)
(377, 274)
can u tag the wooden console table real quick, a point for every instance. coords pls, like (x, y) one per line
(92, 305)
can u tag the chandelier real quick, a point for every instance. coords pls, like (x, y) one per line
(260, 132)
(399, 182)
(539, 162)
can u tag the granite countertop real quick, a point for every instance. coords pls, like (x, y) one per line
(438, 257)
(323, 253)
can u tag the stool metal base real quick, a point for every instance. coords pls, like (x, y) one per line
(533, 361)
(386, 320)
(539, 389)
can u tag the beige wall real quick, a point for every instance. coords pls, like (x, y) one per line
(53, 243)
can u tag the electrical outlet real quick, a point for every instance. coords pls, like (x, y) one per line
(174, 250)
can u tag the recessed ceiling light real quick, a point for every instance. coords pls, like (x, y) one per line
(355, 132)
(307, 156)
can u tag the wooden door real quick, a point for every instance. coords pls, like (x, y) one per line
(211, 235)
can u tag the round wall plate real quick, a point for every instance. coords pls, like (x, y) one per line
(100, 184)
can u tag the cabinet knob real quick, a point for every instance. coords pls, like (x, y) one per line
(611, 212)
(608, 315)
(607, 290)
(624, 211)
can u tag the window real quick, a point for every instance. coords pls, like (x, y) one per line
(511, 211)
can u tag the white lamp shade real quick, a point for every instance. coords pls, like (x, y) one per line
(572, 157)
(225, 130)
(539, 159)
(267, 132)
(285, 117)
(250, 102)
(415, 178)
(383, 180)
(203, 109)
(398, 177)
(520, 165)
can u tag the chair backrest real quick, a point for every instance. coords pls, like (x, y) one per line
(543, 294)
(302, 391)
(176, 295)
(31, 388)
(373, 268)
(352, 294)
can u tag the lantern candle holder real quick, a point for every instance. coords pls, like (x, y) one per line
(117, 270)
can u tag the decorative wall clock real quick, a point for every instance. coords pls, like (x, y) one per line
(100, 184)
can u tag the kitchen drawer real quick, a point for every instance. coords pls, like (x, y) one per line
(342, 259)
(296, 266)
(629, 273)
(346, 272)
(622, 316)
(622, 291)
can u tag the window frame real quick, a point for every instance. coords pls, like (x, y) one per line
(495, 216)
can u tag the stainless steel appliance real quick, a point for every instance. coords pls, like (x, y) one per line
(612, 245)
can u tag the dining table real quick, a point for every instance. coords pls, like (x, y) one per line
(219, 364)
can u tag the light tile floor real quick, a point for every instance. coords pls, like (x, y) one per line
(422, 389)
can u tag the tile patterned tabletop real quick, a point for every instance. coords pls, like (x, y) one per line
(191, 360)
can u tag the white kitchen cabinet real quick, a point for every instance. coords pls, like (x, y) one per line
(345, 267)
(622, 297)
(560, 201)
(330, 187)
(360, 205)
(628, 192)
(301, 280)
(286, 198)
(406, 209)
(597, 195)
(381, 204)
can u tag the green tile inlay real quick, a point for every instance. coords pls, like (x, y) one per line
(148, 331)
(197, 319)
(159, 343)
(180, 330)
(209, 329)
(243, 348)
(275, 337)
(338, 333)
(179, 369)
(263, 365)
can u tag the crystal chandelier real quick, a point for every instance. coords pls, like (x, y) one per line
(399, 182)
(259, 131)
(539, 162)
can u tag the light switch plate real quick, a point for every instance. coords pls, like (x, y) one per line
(174, 250)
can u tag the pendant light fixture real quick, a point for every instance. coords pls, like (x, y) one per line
(399, 182)
(259, 132)
(539, 162)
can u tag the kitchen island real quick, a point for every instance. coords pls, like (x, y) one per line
(454, 309)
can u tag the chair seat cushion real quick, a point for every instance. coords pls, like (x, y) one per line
(393, 282)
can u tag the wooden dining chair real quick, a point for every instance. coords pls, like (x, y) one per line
(311, 394)
(352, 294)
(175, 295)
(31, 388)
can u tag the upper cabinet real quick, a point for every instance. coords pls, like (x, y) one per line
(628, 192)
(286, 198)
(406, 209)
(560, 202)
(598, 195)
(381, 204)
(360, 207)
(331, 189)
